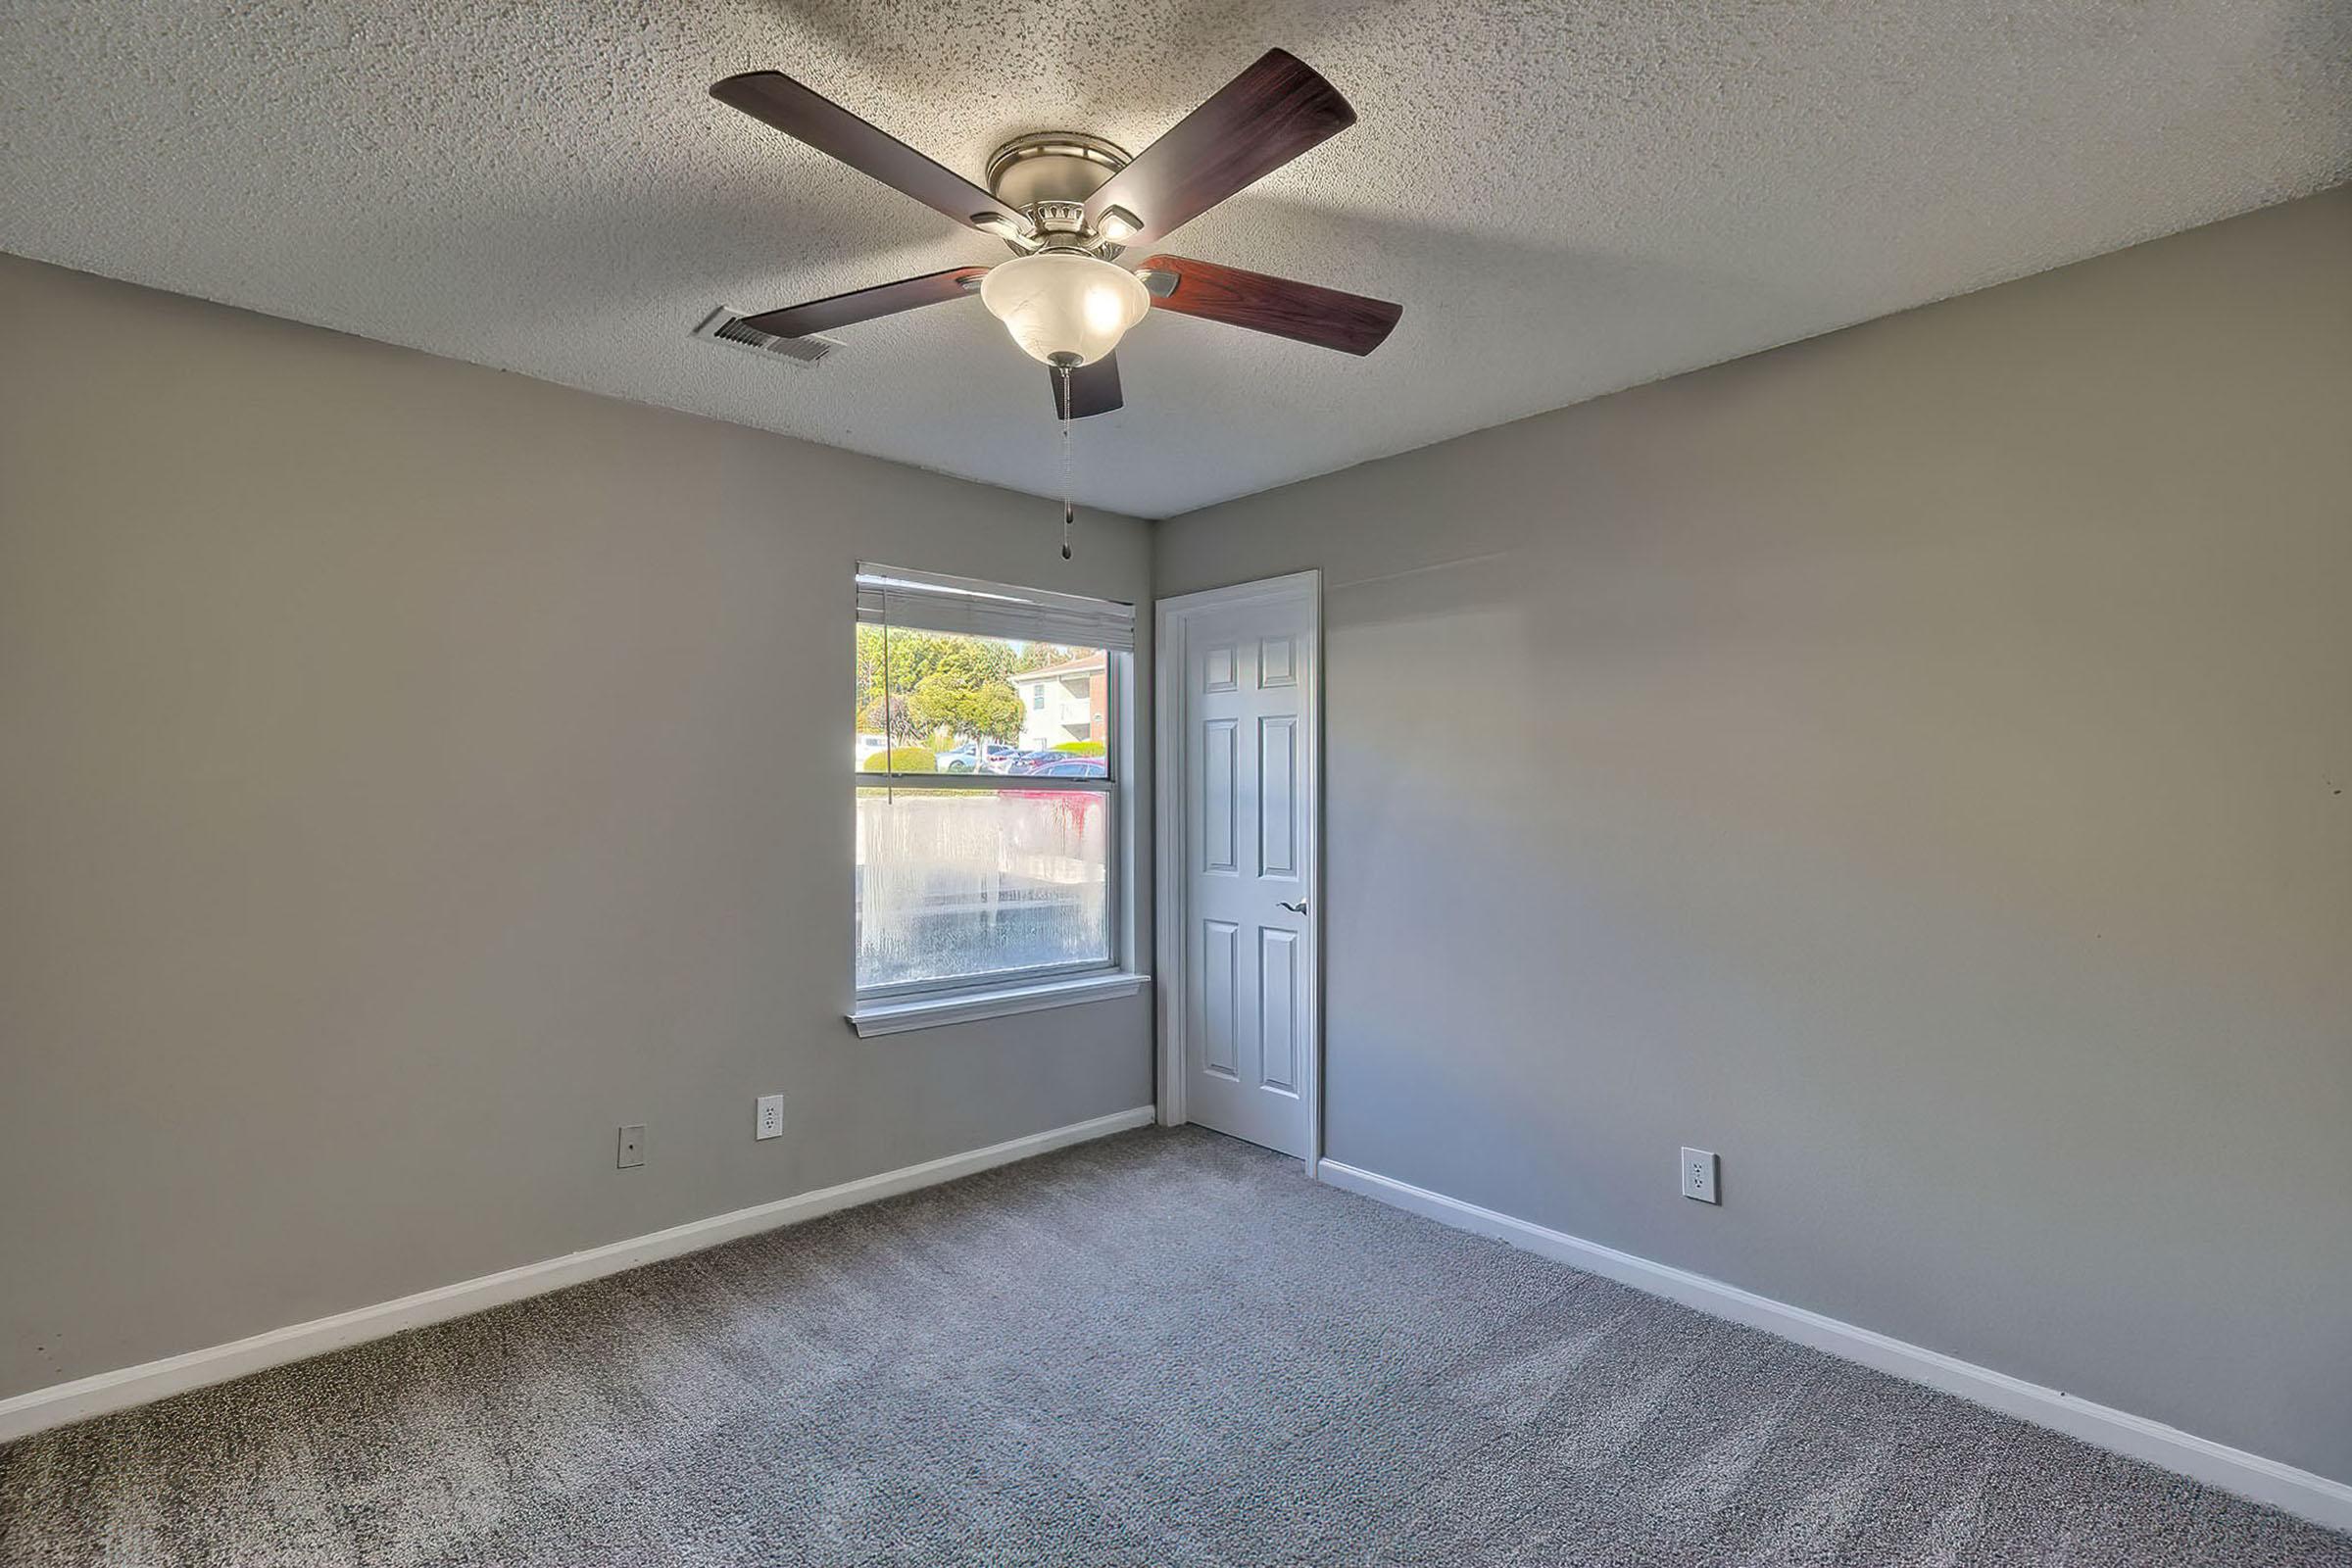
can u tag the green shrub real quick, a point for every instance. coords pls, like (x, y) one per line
(902, 759)
(1083, 748)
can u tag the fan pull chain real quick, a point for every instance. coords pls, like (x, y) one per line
(1069, 512)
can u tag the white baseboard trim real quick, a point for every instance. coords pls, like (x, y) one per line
(2249, 1475)
(41, 1408)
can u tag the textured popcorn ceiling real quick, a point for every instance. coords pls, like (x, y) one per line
(1568, 198)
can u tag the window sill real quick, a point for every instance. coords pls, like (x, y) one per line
(929, 1013)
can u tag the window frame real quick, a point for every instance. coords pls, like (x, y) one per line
(920, 1004)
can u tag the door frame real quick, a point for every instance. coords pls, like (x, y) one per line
(1172, 619)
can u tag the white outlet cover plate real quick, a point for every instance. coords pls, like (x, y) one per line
(771, 1122)
(1698, 1175)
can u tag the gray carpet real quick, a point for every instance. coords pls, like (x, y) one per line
(1162, 1348)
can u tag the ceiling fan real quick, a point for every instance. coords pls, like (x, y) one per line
(1069, 204)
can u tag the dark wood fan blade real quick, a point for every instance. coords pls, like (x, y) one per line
(864, 305)
(1093, 389)
(1253, 126)
(1324, 316)
(806, 115)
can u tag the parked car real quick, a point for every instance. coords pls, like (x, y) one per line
(1071, 767)
(984, 756)
(1029, 762)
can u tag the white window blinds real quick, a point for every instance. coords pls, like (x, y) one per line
(933, 602)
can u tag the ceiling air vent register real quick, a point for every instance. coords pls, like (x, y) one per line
(724, 326)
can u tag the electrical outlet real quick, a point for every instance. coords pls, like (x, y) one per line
(771, 1117)
(1698, 1175)
(632, 1147)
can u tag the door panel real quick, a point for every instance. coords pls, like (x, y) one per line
(1219, 1037)
(1220, 801)
(1217, 666)
(1278, 796)
(1248, 1003)
(1278, 1009)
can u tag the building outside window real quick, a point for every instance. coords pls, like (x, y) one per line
(1067, 702)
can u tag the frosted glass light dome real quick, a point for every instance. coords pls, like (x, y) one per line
(1063, 308)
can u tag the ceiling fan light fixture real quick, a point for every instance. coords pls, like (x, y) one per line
(1069, 204)
(1064, 307)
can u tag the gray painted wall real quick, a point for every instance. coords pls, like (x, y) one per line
(408, 774)
(1911, 764)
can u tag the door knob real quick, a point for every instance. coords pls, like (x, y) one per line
(1295, 908)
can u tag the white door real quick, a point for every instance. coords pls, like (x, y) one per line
(1250, 954)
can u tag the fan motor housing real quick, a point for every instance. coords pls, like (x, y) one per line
(1048, 174)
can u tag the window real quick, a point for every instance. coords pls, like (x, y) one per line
(989, 796)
